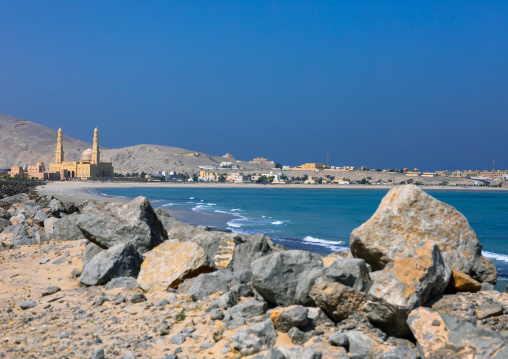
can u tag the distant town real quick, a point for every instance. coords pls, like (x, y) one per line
(230, 170)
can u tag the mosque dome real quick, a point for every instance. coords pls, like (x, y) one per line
(87, 154)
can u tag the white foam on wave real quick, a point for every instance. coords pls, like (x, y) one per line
(263, 217)
(199, 207)
(333, 245)
(235, 210)
(168, 205)
(278, 222)
(219, 211)
(496, 256)
(211, 204)
(192, 198)
(237, 222)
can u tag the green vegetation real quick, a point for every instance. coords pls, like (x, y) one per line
(181, 316)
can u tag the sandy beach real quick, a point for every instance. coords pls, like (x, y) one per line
(78, 192)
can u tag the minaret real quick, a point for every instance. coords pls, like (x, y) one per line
(95, 148)
(59, 148)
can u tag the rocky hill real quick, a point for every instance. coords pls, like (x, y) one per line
(24, 143)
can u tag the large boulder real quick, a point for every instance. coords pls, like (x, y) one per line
(109, 224)
(352, 272)
(440, 336)
(253, 339)
(335, 299)
(210, 283)
(170, 263)
(122, 260)
(408, 217)
(405, 284)
(4, 223)
(65, 229)
(275, 276)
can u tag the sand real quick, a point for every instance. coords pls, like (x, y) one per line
(76, 191)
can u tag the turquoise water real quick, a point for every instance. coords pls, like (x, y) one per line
(316, 219)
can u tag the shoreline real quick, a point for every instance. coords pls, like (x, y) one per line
(77, 191)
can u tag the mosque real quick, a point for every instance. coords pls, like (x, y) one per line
(90, 166)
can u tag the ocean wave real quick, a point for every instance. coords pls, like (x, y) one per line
(278, 222)
(333, 245)
(496, 256)
(235, 210)
(211, 204)
(192, 198)
(199, 207)
(219, 211)
(168, 205)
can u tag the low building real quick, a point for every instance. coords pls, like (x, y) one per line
(413, 173)
(444, 173)
(311, 167)
(429, 174)
(262, 161)
(228, 156)
(238, 178)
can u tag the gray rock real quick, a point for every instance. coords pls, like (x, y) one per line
(52, 298)
(27, 210)
(352, 272)
(162, 328)
(65, 228)
(56, 207)
(50, 290)
(216, 314)
(248, 248)
(44, 261)
(276, 276)
(405, 284)
(122, 260)
(75, 273)
(19, 232)
(28, 304)
(227, 300)
(339, 339)
(361, 345)
(40, 217)
(302, 353)
(407, 216)
(248, 309)
(298, 337)
(275, 353)
(318, 317)
(49, 223)
(178, 339)
(305, 283)
(241, 290)
(63, 335)
(60, 260)
(234, 323)
(97, 353)
(487, 286)
(128, 355)
(171, 298)
(4, 223)
(210, 283)
(440, 336)
(4, 214)
(400, 352)
(122, 282)
(91, 250)
(255, 338)
(292, 316)
(138, 298)
(162, 303)
(104, 224)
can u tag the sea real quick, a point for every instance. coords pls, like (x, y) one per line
(318, 220)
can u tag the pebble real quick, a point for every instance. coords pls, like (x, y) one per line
(44, 261)
(50, 290)
(97, 353)
(178, 339)
(60, 260)
(138, 298)
(27, 305)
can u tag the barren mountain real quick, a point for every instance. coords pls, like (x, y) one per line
(25, 143)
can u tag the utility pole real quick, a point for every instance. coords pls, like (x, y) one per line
(328, 158)
(493, 165)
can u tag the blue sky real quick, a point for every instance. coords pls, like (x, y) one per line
(385, 84)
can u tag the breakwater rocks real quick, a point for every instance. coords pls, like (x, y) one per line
(12, 187)
(129, 281)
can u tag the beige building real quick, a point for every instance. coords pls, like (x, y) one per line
(262, 161)
(90, 166)
(311, 167)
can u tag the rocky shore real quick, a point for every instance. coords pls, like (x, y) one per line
(125, 280)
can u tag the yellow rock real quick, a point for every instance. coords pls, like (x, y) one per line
(274, 314)
(461, 282)
(224, 254)
(170, 263)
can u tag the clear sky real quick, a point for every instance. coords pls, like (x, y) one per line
(385, 84)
